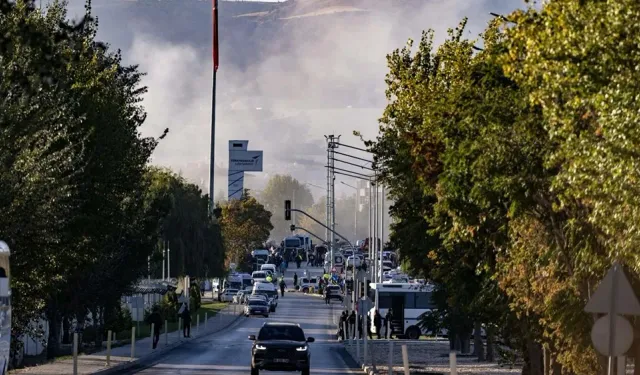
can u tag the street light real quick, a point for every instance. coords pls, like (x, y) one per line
(355, 204)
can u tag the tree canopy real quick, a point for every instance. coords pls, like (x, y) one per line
(513, 169)
(246, 225)
(80, 209)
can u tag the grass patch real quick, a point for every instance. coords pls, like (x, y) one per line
(211, 309)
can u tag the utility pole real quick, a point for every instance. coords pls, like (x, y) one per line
(164, 250)
(381, 229)
(332, 144)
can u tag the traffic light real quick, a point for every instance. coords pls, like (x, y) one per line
(292, 227)
(287, 210)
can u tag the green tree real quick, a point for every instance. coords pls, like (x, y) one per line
(281, 188)
(195, 241)
(246, 225)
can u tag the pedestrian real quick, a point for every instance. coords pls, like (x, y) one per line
(282, 286)
(344, 317)
(352, 323)
(156, 320)
(186, 321)
(361, 323)
(310, 259)
(298, 260)
(295, 279)
(388, 319)
(377, 322)
(368, 322)
(327, 296)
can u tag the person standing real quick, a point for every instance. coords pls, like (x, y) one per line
(282, 286)
(186, 321)
(352, 323)
(154, 319)
(377, 322)
(295, 279)
(388, 319)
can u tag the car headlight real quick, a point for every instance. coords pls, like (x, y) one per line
(260, 347)
(301, 349)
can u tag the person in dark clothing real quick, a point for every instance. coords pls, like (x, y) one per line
(388, 318)
(344, 324)
(369, 333)
(377, 322)
(155, 319)
(298, 261)
(186, 319)
(282, 286)
(295, 279)
(352, 323)
(327, 296)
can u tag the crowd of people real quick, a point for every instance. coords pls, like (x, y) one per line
(348, 323)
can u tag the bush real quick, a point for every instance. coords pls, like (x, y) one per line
(194, 296)
(169, 307)
(118, 320)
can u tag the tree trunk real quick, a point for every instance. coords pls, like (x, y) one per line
(97, 326)
(546, 359)
(478, 347)
(465, 343)
(490, 344)
(53, 341)
(534, 351)
(66, 327)
(452, 341)
(556, 368)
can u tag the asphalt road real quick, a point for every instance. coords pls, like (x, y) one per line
(229, 352)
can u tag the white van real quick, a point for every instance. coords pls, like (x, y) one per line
(269, 267)
(259, 276)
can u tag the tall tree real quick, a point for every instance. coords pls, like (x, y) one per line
(195, 241)
(246, 225)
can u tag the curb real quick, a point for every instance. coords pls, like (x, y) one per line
(365, 368)
(158, 353)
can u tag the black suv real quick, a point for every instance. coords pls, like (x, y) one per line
(280, 347)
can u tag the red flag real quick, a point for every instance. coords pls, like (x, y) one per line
(216, 57)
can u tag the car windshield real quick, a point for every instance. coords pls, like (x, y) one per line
(291, 333)
(259, 275)
(257, 303)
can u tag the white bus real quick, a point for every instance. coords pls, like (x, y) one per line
(408, 302)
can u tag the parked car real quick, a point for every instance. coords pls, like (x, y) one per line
(228, 294)
(256, 307)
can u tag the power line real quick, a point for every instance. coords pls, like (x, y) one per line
(355, 165)
(354, 157)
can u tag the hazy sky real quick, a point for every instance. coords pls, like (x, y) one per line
(343, 66)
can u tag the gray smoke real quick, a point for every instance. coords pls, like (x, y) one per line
(321, 71)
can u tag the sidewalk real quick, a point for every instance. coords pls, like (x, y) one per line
(121, 356)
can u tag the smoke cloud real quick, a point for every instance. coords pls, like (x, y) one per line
(320, 70)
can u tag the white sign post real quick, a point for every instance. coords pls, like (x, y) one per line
(612, 335)
(241, 160)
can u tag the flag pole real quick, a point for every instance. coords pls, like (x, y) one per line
(214, 19)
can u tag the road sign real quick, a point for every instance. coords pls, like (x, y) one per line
(247, 161)
(622, 338)
(625, 301)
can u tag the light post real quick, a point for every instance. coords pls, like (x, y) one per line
(355, 211)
